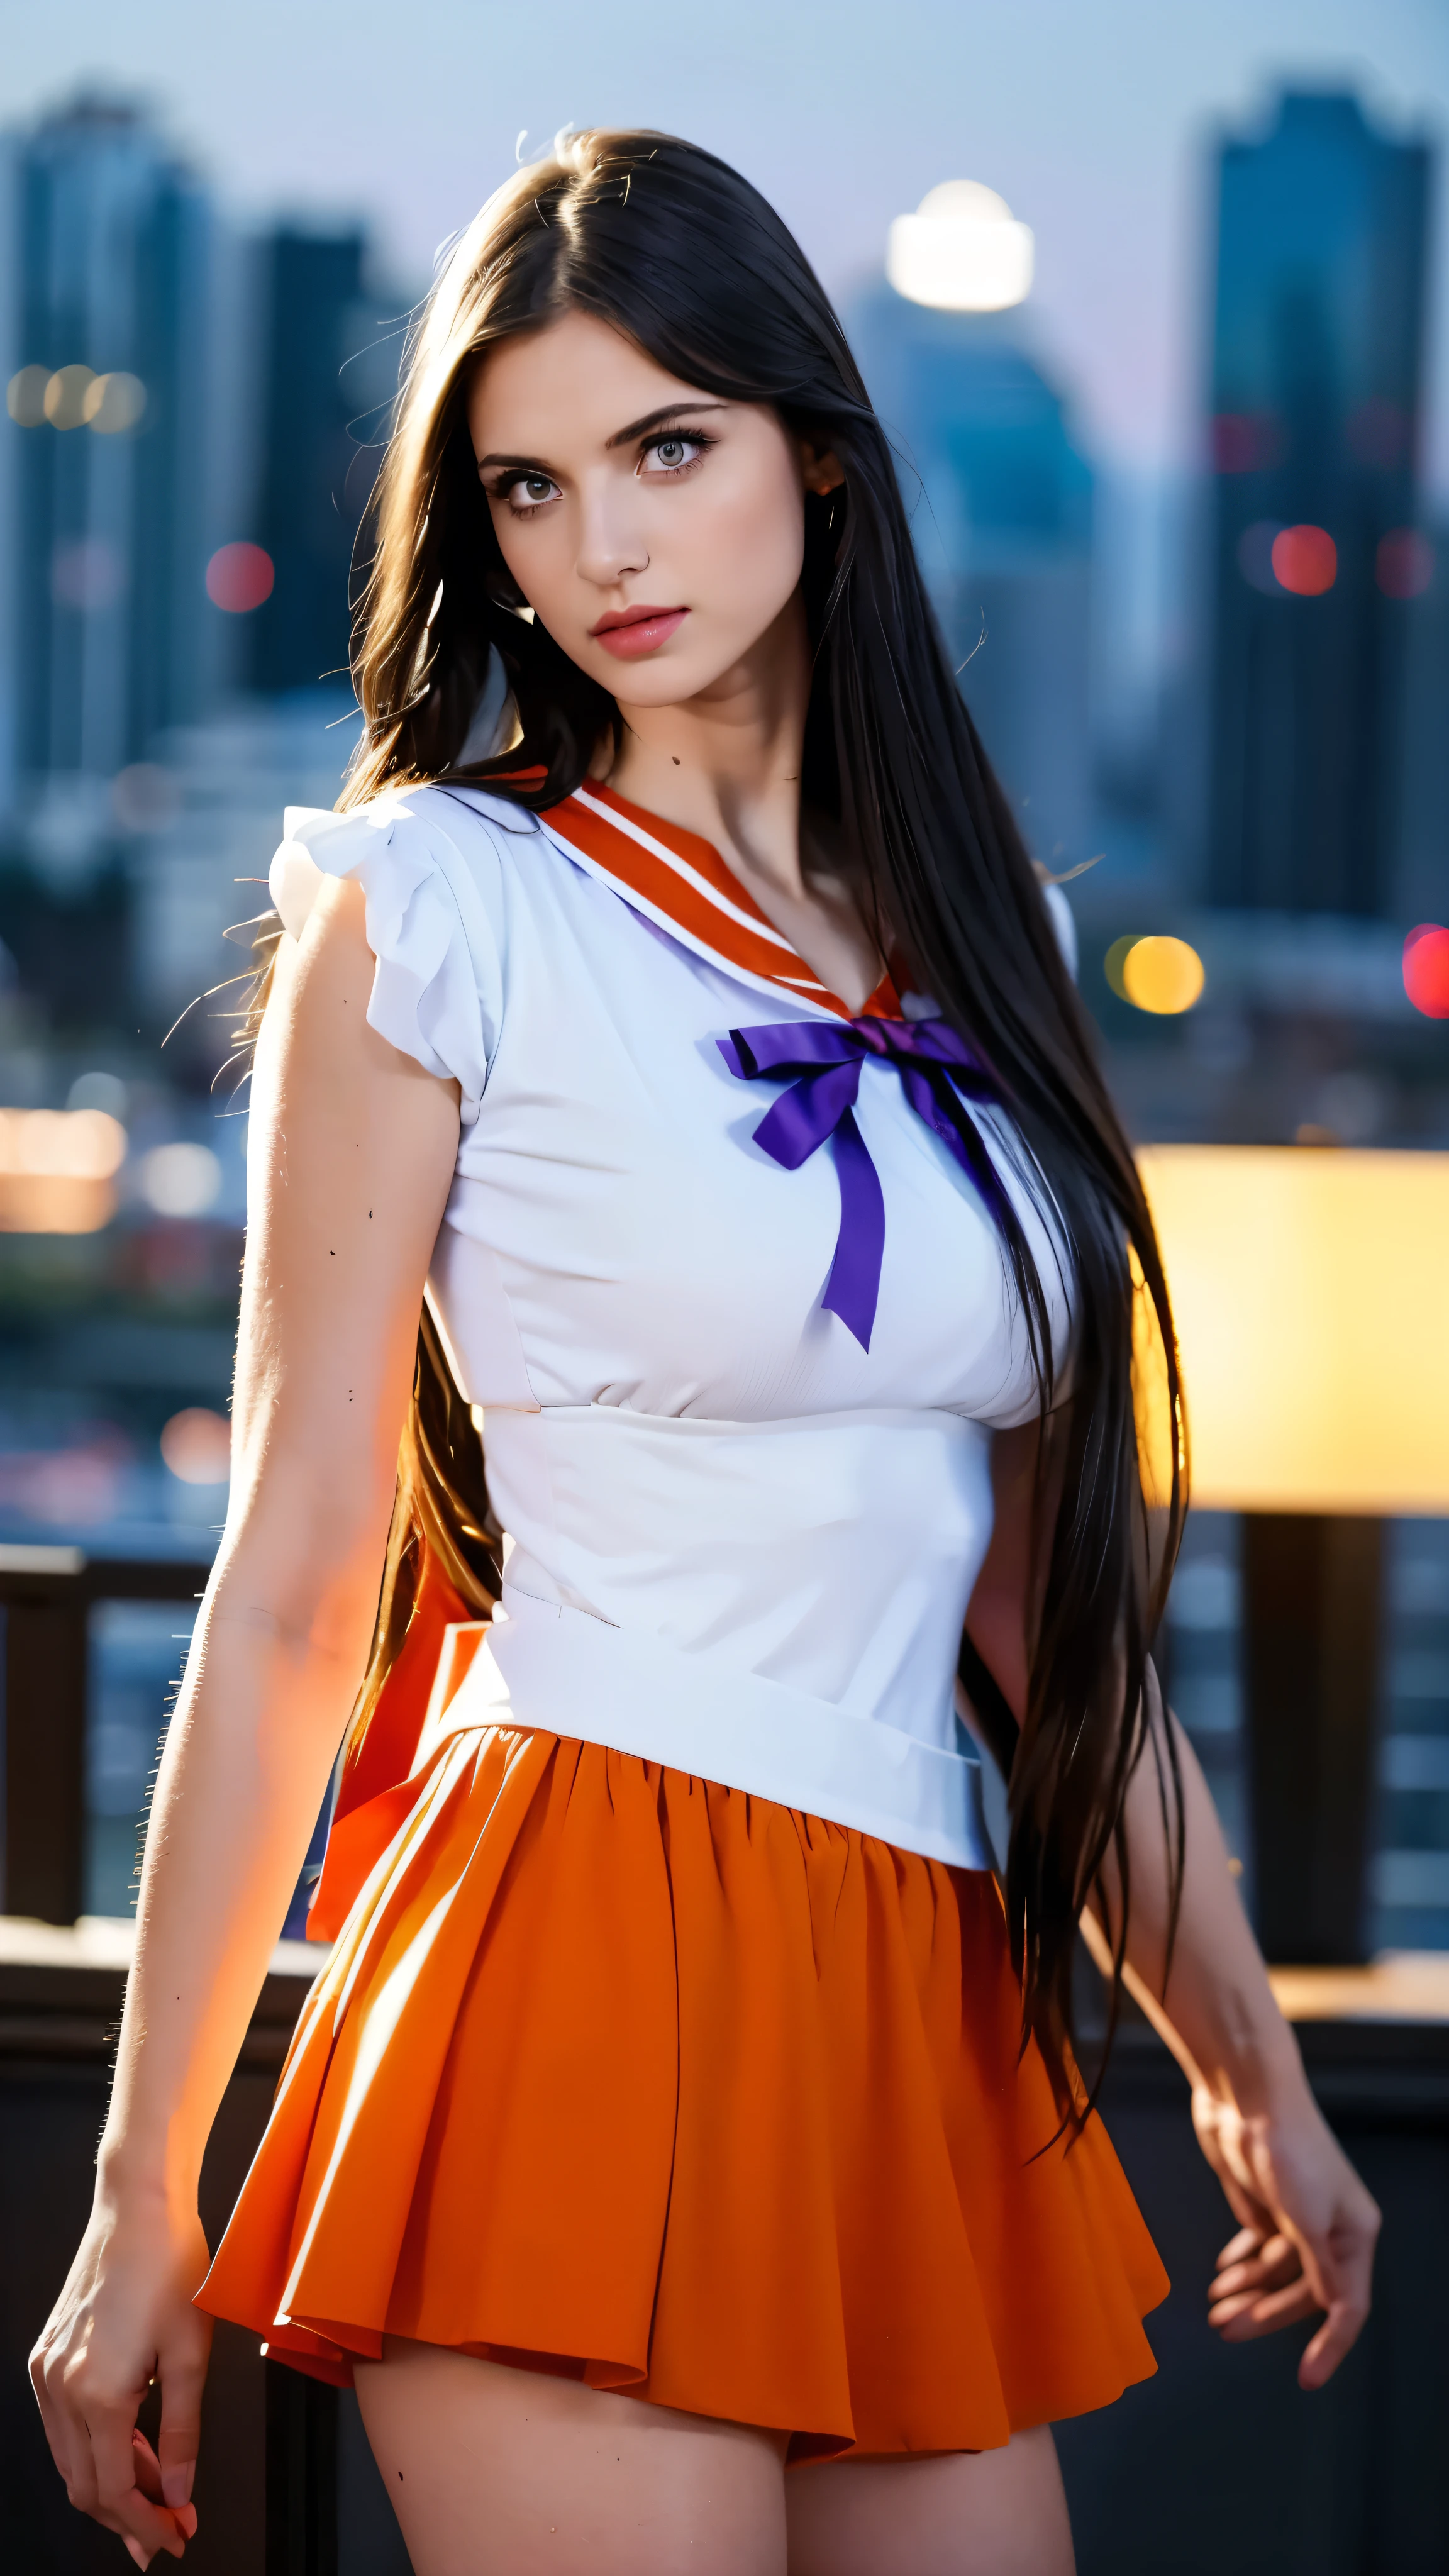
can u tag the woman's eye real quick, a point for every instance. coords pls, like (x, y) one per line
(525, 492)
(672, 453)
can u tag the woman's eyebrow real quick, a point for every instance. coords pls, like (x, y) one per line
(621, 437)
(526, 464)
(656, 419)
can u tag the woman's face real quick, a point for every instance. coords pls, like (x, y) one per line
(656, 531)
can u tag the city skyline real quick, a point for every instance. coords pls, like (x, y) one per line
(1103, 153)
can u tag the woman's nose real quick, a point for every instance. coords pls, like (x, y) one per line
(611, 543)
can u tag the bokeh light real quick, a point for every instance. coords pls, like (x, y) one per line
(71, 1144)
(57, 1169)
(180, 1180)
(99, 1091)
(1305, 560)
(1426, 969)
(1116, 959)
(65, 396)
(196, 1445)
(1163, 975)
(87, 574)
(1403, 564)
(239, 577)
(144, 796)
(1255, 554)
(25, 397)
(70, 396)
(112, 403)
(1244, 442)
(962, 251)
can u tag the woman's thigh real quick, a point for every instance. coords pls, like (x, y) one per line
(498, 2472)
(969, 2513)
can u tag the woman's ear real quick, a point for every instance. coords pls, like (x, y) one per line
(821, 467)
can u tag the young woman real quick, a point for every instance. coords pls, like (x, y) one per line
(659, 2151)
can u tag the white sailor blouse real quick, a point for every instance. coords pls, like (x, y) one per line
(721, 1275)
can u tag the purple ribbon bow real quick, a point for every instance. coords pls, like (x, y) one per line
(936, 1067)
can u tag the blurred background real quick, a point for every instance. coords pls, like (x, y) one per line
(1153, 303)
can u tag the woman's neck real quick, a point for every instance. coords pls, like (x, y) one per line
(727, 764)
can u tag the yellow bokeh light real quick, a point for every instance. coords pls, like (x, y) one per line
(65, 396)
(113, 402)
(1116, 959)
(1162, 975)
(25, 396)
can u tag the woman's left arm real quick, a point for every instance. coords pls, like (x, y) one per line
(1307, 2226)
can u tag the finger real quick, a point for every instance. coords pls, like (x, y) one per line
(1252, 2214)
(1337, 2335)
(1275, 2263)
(1348, 2284)
(182, 2382)
(1246, 2320)
(118, 2498)
(149, 2480)
(1239, 2247)
(147, 2467)
(54, 2421)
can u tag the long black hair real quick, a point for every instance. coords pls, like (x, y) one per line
(677, 251)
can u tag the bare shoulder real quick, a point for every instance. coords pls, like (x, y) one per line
(316, 1031)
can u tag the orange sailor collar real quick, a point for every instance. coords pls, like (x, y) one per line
(681, 882)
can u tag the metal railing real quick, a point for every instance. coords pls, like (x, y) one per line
(286, 2484)
(47, 1594)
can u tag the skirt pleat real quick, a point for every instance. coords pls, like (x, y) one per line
(617, 2073)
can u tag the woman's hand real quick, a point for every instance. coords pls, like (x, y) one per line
(124, 2319)
(1306, 2243)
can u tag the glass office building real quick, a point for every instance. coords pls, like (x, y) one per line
(323, 408)
(1315, 553)
(1001, 507)
(106, 402)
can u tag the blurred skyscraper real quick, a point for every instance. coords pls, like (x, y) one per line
(329, 370)
(111, 240)
(1316, 367)
(1001, 505)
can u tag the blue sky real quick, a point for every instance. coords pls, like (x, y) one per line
(1090, 119)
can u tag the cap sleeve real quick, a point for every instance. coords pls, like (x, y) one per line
(436, 989)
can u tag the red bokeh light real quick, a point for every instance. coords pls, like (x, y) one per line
(239, 578)
(1245, 441)
(1426, 970)
(1404, 564)
(1305, 560)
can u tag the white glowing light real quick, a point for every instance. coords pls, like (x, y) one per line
(181, 1180)
(962, 250)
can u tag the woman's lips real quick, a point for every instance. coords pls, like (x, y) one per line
(640, 633)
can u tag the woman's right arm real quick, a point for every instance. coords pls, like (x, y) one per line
(351, 1155)
(1307, 2226)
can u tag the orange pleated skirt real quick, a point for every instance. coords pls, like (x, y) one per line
(623, 2075)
